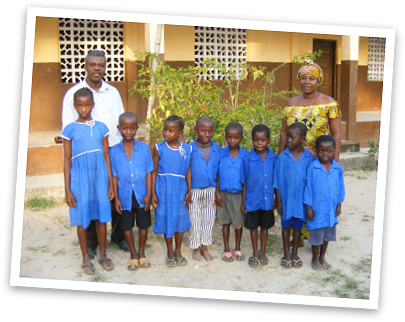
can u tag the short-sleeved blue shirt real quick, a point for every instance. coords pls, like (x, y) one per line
(131, 173)
(230, 170)
(323, 192)
(290, 177)
(257, 176)
(203, 174)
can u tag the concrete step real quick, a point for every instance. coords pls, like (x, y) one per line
(357, 160)
(349, 146)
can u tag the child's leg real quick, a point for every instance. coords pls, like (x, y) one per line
(88, 267)
(171, 259)
(178, 239)
(142, 237)
(195, 220)
(129, 238)
(285, 233)
(315, 264)
(322, 261)
(253, 239)
(237, 254)
(296, 241)
(106, 263)
(207, 222)
(226, 255)
(263, 240)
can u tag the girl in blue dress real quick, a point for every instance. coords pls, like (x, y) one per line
(88, 178)
(171, 188)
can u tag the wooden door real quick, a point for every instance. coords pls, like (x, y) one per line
(327, 63)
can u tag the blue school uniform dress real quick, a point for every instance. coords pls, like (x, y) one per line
(171, 214)
(131, 173)
(323, 192)
(290, 177)
(257, 176)
(229, 170)
(88, 174)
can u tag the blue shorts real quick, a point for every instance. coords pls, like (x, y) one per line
(296, 222)
(318, 236)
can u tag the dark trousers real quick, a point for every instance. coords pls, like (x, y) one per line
(116, 233)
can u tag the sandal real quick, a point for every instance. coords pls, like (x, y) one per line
(132, 265)
(253, 262)
(91, 266)
(238, 255)
(263, 260)
(106, 261)
(285, 263)
(227, 257)
(297, 263)
(144, 262)
(171, 262)
(181, 261)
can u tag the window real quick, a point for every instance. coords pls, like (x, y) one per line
(226, 45)
(376, 58)
(79, 36)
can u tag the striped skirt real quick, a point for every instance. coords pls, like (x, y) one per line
(202, 216)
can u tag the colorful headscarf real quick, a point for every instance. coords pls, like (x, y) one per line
(309, 67)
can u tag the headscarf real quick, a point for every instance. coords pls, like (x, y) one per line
(309, 67)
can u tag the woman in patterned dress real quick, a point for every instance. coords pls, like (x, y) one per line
(320, 113)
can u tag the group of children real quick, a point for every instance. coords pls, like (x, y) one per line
(191, 185)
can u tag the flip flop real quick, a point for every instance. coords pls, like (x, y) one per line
(106, 261)
(144, 262)
(181, 261)
(132, 265)
(91, 266)
(285, 263)
(171, 262)
(297, 263)
(236, 254)
(253, 262)
(263, 260)
(227, 257)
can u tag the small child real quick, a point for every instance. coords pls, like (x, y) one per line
(324, 193)
(289, 182)
(88, 178)
(132, 168)
(204, 170)
(171, 188)
(258, 193)
(229, 191)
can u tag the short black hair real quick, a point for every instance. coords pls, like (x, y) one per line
(97, 53)
(233, 126)
(128, 115)
(301, 127)
(176, 119)
(204, 118)
(326, 138)
(261, 128)
(83, 92)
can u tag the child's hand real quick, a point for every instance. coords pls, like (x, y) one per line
(117, 205)
(187, 200)
(338, 210)
(111, 193)
(154, 201)
(219, 200)
(244, 208)
(310, 213)
(146, 202)
(280, 208)
(70, 199)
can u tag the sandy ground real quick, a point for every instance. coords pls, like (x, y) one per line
(50, 250)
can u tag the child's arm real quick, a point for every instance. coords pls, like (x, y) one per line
(67, 164)
(310, 213)
(218, 198)
(108, 162)
(243, 199)
(278, 202)
(155, 157)
(187, 198)
(117, 202)
(146, 200)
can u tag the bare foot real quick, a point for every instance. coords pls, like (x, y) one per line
(197, 255)
(207, 256)
(325, 265)
(315, 264)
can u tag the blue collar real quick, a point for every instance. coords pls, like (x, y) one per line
(254, 156)
(318, 165)
(225, 153)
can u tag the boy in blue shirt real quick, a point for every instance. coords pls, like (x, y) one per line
(229, 191)
(289, 182)
(324, 193)
(204, 169)
(132, 168)
(258, 192)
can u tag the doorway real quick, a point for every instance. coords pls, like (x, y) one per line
(327, 63)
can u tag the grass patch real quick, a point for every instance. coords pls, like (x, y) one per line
(370, 166)
(60, 252)
(272, 246)
(346, 238)
(42, 249)
(99, 278)
(42, 203)
(364, 266)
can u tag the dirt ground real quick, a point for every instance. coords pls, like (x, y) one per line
(50, 250)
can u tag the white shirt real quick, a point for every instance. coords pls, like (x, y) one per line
(107, 108)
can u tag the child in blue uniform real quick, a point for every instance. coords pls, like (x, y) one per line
(258, 192)
(324, 193)
(171, 188)
(289, 182)
(229, 191)
(132, 168)
(88, 178)
(204, 170)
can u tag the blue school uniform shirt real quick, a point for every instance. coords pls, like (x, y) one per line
(131, 173)
(203, 173)
(323, 192)
(257, 176)
(290, 177)
(229, 171)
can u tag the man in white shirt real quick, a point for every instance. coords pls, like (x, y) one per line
(107, 109)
